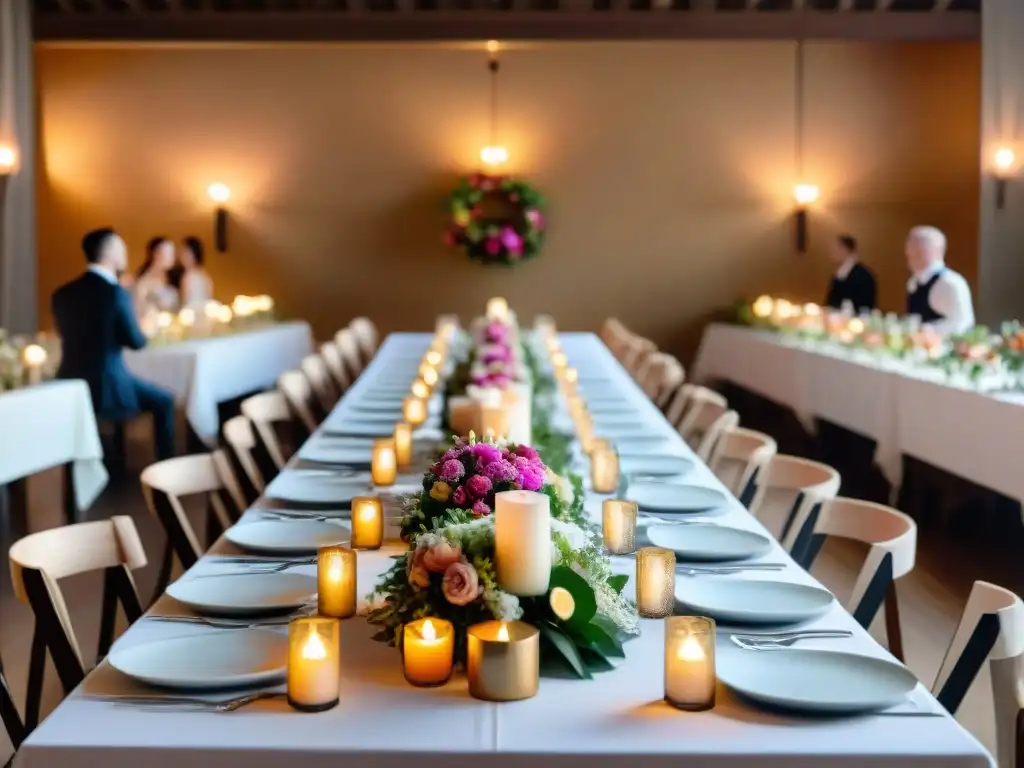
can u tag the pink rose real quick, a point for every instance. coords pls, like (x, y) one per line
(441, 555)
(461, 585)
(415, 571)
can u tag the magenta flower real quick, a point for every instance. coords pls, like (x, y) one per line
(531, 478)
(496, 333)
(502, 471)
(459, 496)
(486, 453)
(511, 240)
(535, 217)
(452, 471)
(451, 453)
(478, 486)
(527, 452)
(493, 246)
(480, 509)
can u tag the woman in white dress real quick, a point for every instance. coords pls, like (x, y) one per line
(153, 290)
(196, 286)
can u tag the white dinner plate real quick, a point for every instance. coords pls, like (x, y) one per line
(731, 601)
(642, 463)
(304, 489)
(654, 496)
(710, 543)
(827, 682)
(244, 594)
(350, 427)
(616, 419)
(377, 409)
(648, 443)
(328, 452)
(376, 397)
(287, 536)
(208, 661)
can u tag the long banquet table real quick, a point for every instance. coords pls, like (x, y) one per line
(382, 721)
(974, 435)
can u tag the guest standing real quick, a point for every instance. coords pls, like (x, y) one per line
(95, 320)
(195, 286)
(852, 281)
(937, 294)
(153, 290)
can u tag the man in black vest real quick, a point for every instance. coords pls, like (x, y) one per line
(852, 283)
(935, 293)
(96, 321)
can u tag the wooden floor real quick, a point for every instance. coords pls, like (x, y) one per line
(931, 597)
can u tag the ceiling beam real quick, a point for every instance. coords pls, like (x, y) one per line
(942, 5)
(519, 24)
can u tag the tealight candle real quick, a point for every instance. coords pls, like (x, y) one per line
(433, 358)
(604, 470)
(427, 646)
(336, 582)
(384, 464)
(420, 389)
(619, 526)
(403, 444)
(655, 581)
(502, 660)
(367, 522)
(314, 668)
(414, 409)
(522, 542)
(690, 662)
(33, 357)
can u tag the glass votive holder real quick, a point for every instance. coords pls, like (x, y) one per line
(384, 462)
(429, 375)
(419, 389)
(367, 522)
(414, 410)
(690, 678)
(403, 444)
(604, 469)
(655, 582)
(314, 668)
(619, 526)
(427, 651)
(503, 660)
(336, 582)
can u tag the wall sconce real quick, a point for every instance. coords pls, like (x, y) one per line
(804, 195)
(220, 194)
(8, 160)
(1004, 161)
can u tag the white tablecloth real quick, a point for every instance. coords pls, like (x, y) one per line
(617, 718)
(48, 425)
(205, 372)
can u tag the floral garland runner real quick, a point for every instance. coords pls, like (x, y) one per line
(495, 219)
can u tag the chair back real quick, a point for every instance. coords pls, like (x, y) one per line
(367, 337)
(299, 394)
(678, 404)
(239, 436)
(320, 379)
(348, 347)
(726, 420)
(809, 483)
(739, 458)
(672, 378)
(703, 407)
(638, 349)
(263, 411)
(9, 714)
(336, 365)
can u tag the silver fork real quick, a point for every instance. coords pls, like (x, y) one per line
(185, 704)
(277, 621)
(751, 643)
(712, 571)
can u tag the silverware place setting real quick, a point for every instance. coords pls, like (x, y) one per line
(726, 570)
(776, 642)
(225, 623)
(163, 703)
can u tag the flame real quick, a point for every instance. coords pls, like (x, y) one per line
(503, 633)
(428, 633)
(314, 649)
(690, 650)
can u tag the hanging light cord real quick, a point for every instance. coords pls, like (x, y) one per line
(798, 149)
(493, 65)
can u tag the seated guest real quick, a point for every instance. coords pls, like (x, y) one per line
(195, 286)
(852, 282)
(935, 293)
(95, 320)
(152, 289)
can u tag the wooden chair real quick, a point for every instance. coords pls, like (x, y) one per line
(39, 561)
(678, 403)
(9, 715)
(991, 629)
(661, 375)
(891, 537)
(367, 337)
(320, 379)
(241, 442)
(166, 482)
(348, 347)
(738, 460)
(336, 366)
(638, 349)
(703, 406)
(298, 393)
(791, 489)
(709, 438)
(264, 411)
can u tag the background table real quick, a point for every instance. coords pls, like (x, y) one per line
(203, 373)
(617, 717)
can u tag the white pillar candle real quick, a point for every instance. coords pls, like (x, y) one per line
(492, 422)
(33, 357)
(314, 668)
(690, 662)
(497, 309)
(522, 542)
(461, 415)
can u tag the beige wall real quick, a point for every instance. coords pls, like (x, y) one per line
(668, 167)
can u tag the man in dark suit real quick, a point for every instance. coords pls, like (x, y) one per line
(96, 321)
(852, 281)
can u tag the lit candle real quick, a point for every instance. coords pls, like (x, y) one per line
(493, 422)
(187, 317)
(655, 581)
(367, 522)
(690, 662)
(429, 375)
(403, 444)
(420, 389)
(763, 307)
(522, 541)
(336, 582)
(497, 309)
(314, 669)
(434, 358)
(559, 361)
(164, 320)
(243, 306)
(502, 660)
(34, 358)
(604, 470)
(384, 463)
(619, 525)
(427, 646)
(414, 409)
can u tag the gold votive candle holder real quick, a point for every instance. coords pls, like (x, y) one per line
(503, 660)
(414, 410)
(655, 582)
(384, 462)
(427, 651)
(367, 522)
(420, 389)
(314, 663)
(690, 678)
(604, 470)
(619, 526)
(336, 582)
(403, 444)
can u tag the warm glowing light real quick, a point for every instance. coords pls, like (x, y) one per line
(493, 46)
(433, 358)
(503, 633)
(314, 647)
(263, 303)
(33, 356)
(559, 360)
(494, 155)
(690, 650)
(806, 194)
(187, 317)
(243, 306)
(428, 632)
(8, 157)
(219, 192)
(1005, 159)
(812, 310)
(420, 389)
(164, 320)
(429, 375)
(763, 306)
(224, 313)
(211, 309)
(784, 309)
(856, 325)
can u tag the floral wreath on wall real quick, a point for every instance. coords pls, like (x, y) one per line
(495, 219)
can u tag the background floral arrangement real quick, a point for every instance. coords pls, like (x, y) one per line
(449, 571)
(495, 219)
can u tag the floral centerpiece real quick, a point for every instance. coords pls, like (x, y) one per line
(449, 572)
